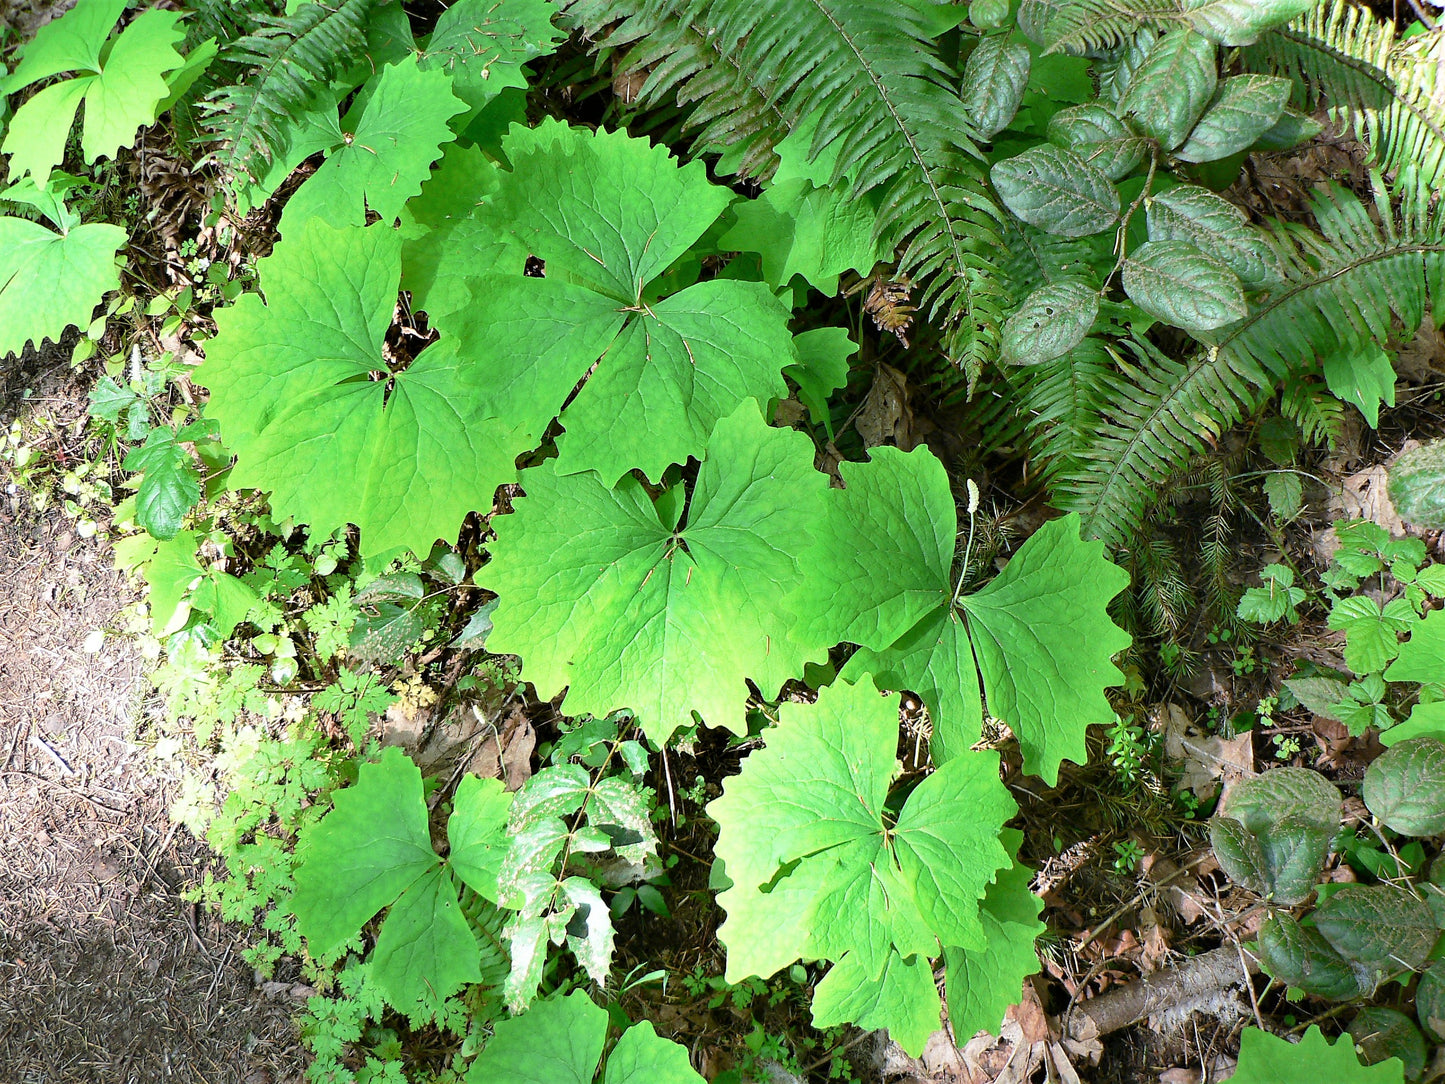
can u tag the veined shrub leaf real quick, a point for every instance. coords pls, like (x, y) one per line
(121, 83)
(1099, 138)
(1182, 286)
(1242, 109)
(1299, 956)
(1405, 787)
(404, 457)
(1050, 322)
(1378, 926)
(994, 80)
(1057, 191)
(804, 842)
(1382, 1035)
(379, 159)
(884, 560)
(1214, 225)
(599, 595)
(1284, 792)
(608, 214)
(49, 281)
(1168, 93)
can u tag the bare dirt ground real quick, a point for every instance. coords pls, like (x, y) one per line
(106, 973)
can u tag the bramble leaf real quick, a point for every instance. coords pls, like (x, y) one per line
(171, 485)
(303, 392)
(49, 281)
(1039, 632)
(121, 87)
(378, 160)
(599, 595)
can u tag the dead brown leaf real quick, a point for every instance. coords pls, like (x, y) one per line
(506, 752)
(1206, 758)
(885, 416)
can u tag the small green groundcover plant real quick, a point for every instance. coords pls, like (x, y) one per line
(467, 293)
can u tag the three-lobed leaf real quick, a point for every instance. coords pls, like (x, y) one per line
(602, 595)
(1268, 1059)
(121, 83)
(814, 863)
(1039, 633)
(306, 398)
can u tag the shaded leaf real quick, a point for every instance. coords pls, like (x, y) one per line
(1182, 286)
(1057, 191)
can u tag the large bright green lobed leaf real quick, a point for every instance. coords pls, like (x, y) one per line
(604, 592)
(482, 45)
(1266, 1059)
(49, 281)
(121, 87)
(293, 385)
(373, 850)
(560, 1041)
(608, 214)
(818, 870)
(880, 575)
(378, 160)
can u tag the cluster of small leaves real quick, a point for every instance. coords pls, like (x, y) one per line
(1272, 836)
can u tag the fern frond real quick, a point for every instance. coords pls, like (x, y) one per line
(869, 71)
(1390, 91)
(1349, 284)
(1083, 26)
(291, 55)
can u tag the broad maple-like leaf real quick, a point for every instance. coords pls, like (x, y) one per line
(608, 214)
(483, 44)
(815, 861)
(805, 223)
(560, 1041)
(1268, 1059)
(1039, 632)
(379, 159)
(982, 984)
(373, 850)
(315, 414)
(121, 87)
(49, 281)
(602, 591)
